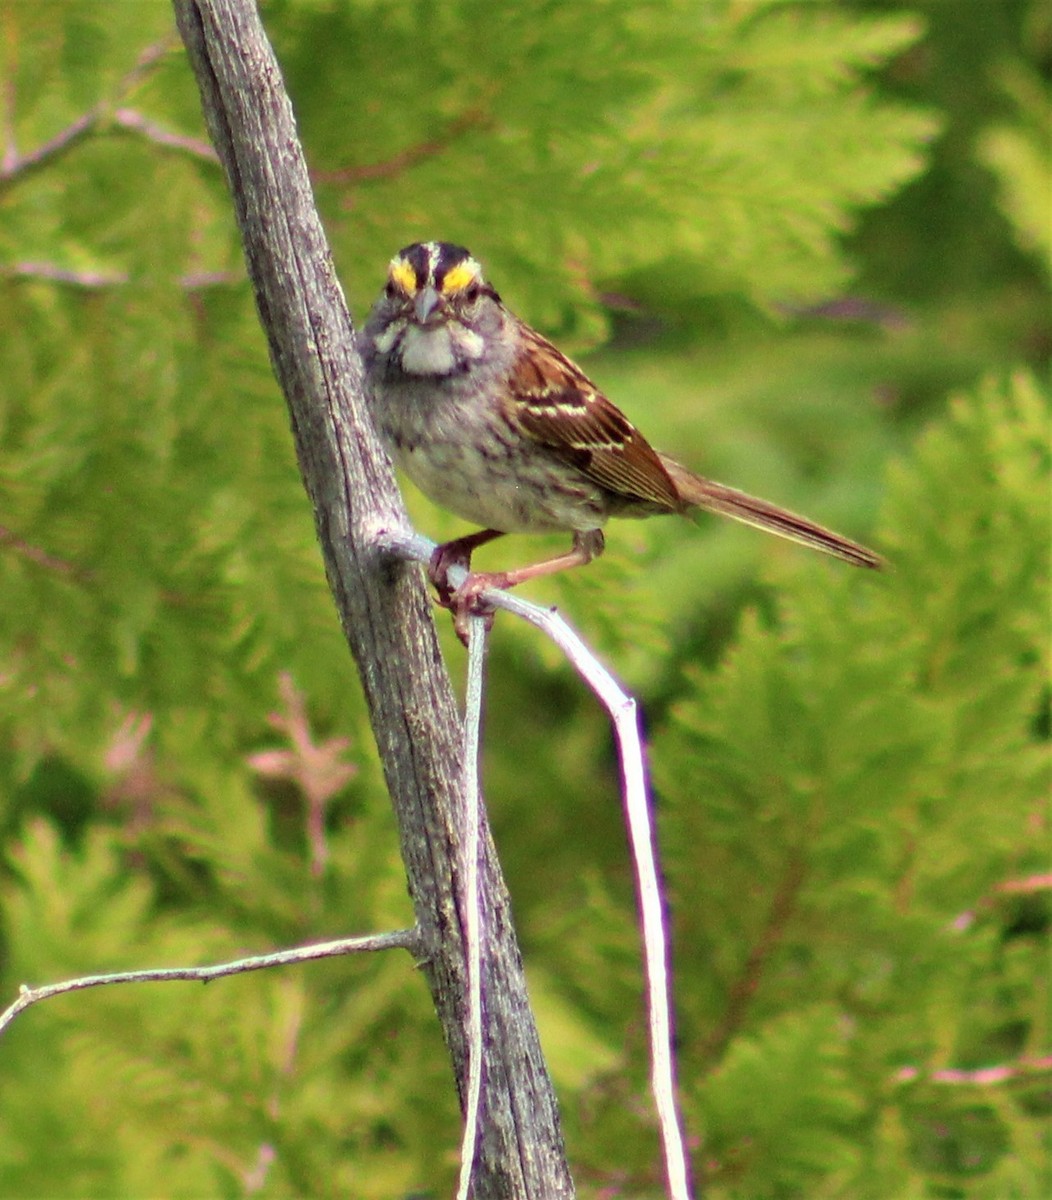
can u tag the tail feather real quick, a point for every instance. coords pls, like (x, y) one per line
(696, 492)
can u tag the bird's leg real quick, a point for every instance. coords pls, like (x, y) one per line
(586, 546)
(465, 602)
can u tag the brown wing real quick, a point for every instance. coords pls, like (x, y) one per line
(552, 401)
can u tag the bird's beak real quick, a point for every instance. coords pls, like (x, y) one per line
(427, 300)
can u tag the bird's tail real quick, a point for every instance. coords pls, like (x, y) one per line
(696, 492)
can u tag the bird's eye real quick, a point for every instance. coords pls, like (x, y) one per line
(390, 291)
(471, 293)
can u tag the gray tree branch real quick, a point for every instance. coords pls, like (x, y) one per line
(382, 602)
(405, 939)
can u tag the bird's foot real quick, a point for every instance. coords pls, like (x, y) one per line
(455, 554)
(464, 601)
(467, 602)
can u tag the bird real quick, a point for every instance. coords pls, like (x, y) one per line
(492, 422)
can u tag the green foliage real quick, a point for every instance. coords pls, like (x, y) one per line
(217, 1083)
(842, 800)
(1021, 157)
(851, 770)
(784, 1095)
(670, 128)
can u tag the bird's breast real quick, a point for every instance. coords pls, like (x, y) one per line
(463, 456)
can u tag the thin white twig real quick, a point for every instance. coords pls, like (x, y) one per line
(477, 633)
(404, 939)
(623, 713)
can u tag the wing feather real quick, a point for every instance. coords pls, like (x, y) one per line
(552, 401)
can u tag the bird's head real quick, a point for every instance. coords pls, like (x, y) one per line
(435, 312)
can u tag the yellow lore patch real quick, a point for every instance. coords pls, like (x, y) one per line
(459, 277)
(402, 273)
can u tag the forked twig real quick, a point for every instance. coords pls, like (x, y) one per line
(106, 111)
(623, 712)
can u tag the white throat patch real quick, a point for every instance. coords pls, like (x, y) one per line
(438, 350)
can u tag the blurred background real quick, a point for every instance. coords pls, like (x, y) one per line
(806, 247)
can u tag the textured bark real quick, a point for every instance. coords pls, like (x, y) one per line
(383, 604)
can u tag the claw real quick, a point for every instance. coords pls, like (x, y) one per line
(462, 617)
(467, 602)
(444, 558)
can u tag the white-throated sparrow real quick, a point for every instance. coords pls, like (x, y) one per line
(490, 421)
